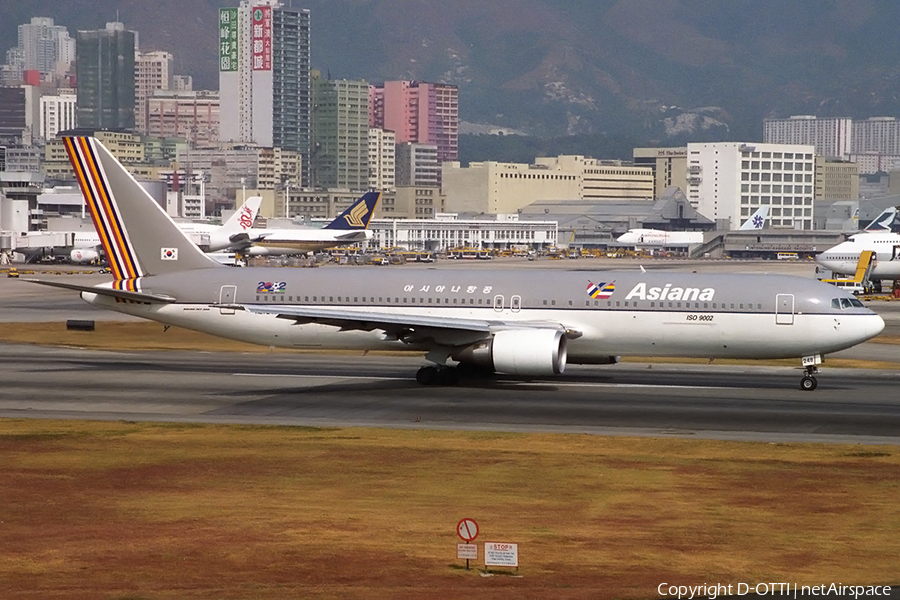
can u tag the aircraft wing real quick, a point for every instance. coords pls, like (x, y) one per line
(450, 331)
(350, 236)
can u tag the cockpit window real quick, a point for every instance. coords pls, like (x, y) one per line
(843, 303)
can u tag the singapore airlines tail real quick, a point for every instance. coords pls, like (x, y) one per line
(757, 220)
(358, 215)
(138, 238)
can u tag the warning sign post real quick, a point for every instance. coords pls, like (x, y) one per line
(501, 554)
(467, 529)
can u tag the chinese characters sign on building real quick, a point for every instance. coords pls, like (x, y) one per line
(228, 39)
(261, 38)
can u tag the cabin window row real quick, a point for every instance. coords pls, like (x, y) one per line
(489, 302)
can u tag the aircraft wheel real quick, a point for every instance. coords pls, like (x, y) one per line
(447, 376)
(427, 375)
(808, 383)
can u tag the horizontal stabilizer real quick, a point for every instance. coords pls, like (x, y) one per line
(104, 291)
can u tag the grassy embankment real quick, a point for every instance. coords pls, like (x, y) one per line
(150, 511)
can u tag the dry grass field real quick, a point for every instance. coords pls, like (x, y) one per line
(148, 511)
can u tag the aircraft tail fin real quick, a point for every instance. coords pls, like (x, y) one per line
(242, 219)
(137, 235)
(359, 214)
(884, 221)
(757, 220)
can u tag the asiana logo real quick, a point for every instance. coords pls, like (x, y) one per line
(670, 292)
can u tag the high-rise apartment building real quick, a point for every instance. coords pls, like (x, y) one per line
(831, 136)
(731, 180)
(340, 134)
(417, 165)
(105, 71)
(418, 112)
(45, 47)
(877, 134)
(264, 76)
(153, 71)
(382, 160)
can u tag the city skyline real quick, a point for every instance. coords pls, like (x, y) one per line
(702, 69)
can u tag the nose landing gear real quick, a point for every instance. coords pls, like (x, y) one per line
(811, 365)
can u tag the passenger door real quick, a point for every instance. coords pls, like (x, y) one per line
(784, 309)
(226, 296)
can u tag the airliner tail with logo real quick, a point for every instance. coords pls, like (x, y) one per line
(524, 323)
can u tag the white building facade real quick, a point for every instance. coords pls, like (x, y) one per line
(832, 137)
(731, 180)
(447, 231)
(57, 114)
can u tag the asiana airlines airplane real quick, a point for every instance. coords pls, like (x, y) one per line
(498, 321)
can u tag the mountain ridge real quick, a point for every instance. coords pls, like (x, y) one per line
(654, 70)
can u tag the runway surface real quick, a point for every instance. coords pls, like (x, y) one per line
(710, 401)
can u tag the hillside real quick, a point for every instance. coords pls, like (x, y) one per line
(660, 71)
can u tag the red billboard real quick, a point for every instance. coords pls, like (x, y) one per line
(261, 38)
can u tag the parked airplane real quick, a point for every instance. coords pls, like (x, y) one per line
(350, 227)
(844, 258)
(674, 239)
(880, 238)
(87, 247)
(501, 321)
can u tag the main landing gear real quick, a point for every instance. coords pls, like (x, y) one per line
(447, 375)
(437, 375)
(811, 365)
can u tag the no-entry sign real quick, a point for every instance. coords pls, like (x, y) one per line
(467, 529)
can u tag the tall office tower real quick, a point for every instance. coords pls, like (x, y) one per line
(340, 134)
(382, 160)
(264, 76)
(104, 67)
(831, 137)
(153, 71)
(57, 114)
(45, 47)
(422, 113)
(880, 135)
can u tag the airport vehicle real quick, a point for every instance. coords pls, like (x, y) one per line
(350, 227)
(88, 248)
(526, 324)
(643, 238)
(788, 256)
(850, 285)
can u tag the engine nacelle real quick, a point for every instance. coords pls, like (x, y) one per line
(519, 352)
(83, 255)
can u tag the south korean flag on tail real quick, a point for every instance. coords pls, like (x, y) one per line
(169, 253)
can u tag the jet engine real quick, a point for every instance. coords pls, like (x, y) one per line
(519, 352)
(83, 255)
